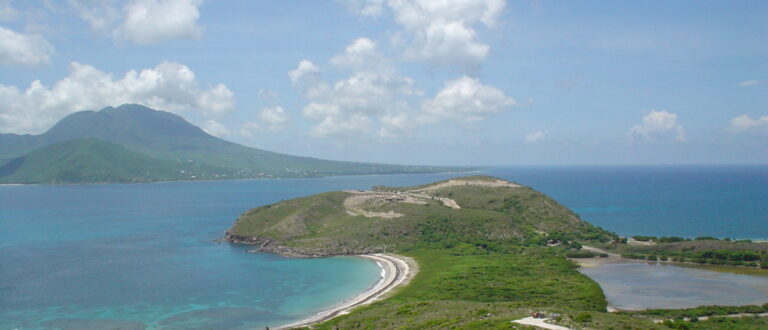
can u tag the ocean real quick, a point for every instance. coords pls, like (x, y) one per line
(144, 255)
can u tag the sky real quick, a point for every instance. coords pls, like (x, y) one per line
(440, 82)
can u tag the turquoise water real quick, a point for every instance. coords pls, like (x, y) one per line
(135, 256)
(639, 285)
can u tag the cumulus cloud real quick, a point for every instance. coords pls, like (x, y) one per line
(23, 49)
(155, 21)
(215, 128)
(658, 126)
(374, 98)
(168, 86)
(534, 137)
(142, 21)
(443, 32)
(350, 104)
(749, 83)
(362, 52)
(354, 104)
(307, 78)
(274, 117)
(745, 123)
(466, 99)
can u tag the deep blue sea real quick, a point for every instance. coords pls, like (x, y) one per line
(143, 255)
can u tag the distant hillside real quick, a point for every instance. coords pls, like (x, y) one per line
(165, 136)
(476, 209)
(87, 160)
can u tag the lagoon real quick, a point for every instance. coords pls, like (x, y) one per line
(641, 285)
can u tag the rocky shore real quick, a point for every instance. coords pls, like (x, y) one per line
(268, 245)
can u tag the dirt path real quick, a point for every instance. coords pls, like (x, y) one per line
(539, 323)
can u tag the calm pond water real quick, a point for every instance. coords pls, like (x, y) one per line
(640, 285)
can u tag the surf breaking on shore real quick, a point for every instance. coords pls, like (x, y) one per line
(396, 270)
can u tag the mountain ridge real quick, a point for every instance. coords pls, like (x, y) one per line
(165, 136)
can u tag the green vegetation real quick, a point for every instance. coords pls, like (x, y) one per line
(497, 258)
(498, 254)
(89, 160)
(493, 217)
(164, 136)
(701, 250)
(716, 323)
(698, 311)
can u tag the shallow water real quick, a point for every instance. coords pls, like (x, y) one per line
(640, 285)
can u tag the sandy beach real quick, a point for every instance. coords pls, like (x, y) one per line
(396, 271)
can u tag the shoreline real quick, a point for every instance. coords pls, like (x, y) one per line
(396, 270)
(614, 258)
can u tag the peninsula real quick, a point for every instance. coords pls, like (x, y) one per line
(488, 252)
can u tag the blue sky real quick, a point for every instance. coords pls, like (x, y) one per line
(472, 82)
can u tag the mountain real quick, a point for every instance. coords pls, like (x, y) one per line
(166, 136)
(477, 209)
(87, 160)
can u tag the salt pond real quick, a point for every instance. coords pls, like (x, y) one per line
(639, 285)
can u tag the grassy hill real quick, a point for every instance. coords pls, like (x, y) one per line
(88, 160)
(481, 210)
(488, 251)
(166, 136)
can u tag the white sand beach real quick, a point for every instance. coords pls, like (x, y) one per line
(396, 271)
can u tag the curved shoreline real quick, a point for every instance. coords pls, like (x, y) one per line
(396, 270)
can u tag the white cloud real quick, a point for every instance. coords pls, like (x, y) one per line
(361, 53)
(215, 128)
(348, 107)
(749, 83)
(367, 8)
(7, 12)
(375, 98)
(307, 78)
(304, 70)
(168, 86)
(23, 49)
(745, 123)
(442, 32)
(156, 21)
(275, 117)
(466, 99)
(142, 21)
(534, 137)
(354, 104)
(658, 126)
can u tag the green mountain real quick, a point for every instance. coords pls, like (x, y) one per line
(165, 136)
(476, 209)
(87, 160)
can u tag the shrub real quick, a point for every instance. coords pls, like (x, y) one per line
(580, 254)
(583, 318)
(644, 238)
(671, 239)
